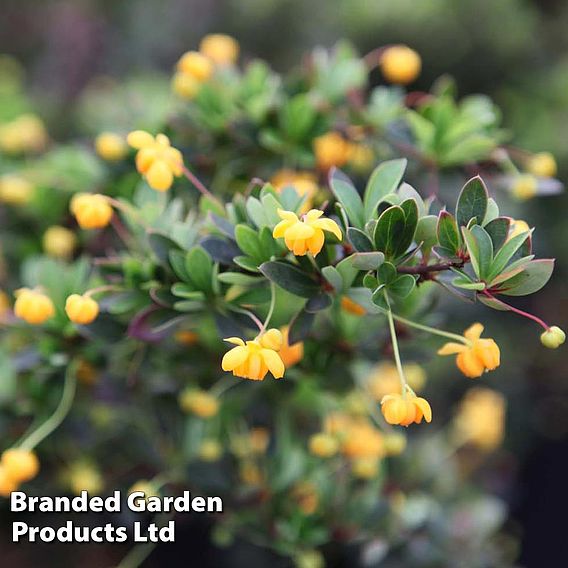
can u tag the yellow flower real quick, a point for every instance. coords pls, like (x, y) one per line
(351, 307)
(199, 402)
(384, 379)
(59, 242)
(331, 149)
(19, 464)
(553, 337)
(306, 496)
(524, 187)
(323, 445)
(400, 64)
(185, 86)
(196, 65)
(24, 134)
(518, 227)
(475, 356)
(156, 159)
(111, 146)
(361, 157)
(306, 234)
(481, 419)
(362, 440)
(253, 359)
(7, 484)
(92, 210)
(290, 354)
(85, 477)
(365, 468)
(542, 164)
(210, 450)
(82, 310)
(404, 409)
(33, 306)
(220, 48)
(15, 189)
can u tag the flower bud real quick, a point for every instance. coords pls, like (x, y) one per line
(220, 48)
(92, 211)
(15, 190)
(111, 146)
(32, 306)
(196, 65)
(542, 164)
(400, 64)
(323, 445)
(553, 337)
(19, 464)
(7, 484)
(59, 242)
(199, 402)
(82, 310)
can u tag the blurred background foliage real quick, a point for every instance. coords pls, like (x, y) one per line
(516, 51)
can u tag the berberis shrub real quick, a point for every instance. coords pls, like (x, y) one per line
(270, 231)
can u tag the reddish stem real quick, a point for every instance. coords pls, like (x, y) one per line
(517, 311)
(197, 183)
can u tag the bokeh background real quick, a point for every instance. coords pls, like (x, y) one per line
(516, 51)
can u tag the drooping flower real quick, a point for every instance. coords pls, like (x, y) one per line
(362, 440)
(220, 48)
(199, 402)
(253, 359)
(156, 159)
(19, 464)
(475, 355)
(306, 234)
(290, 354)
(331, 149)
(553, 337)
(400, 64)
(33, 306)
(481, 418)
(82, 310)
(59, 242)
(404, 409)
(92, 210)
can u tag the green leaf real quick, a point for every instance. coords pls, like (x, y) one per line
(410, 208)
(239, 279)
(472, 202)
(472, 249)
(249, 242)
(426, 231)
(535, 275)
(485, 250)
(498, 230)
(360, 241)
(466, 284)
(402, 286)
(390, 231)
(199, 267)
(367, 260)
(347, 271)
(492, 211)
(247, 263)
(300, 326)
(177, 262)
(333, 276)
(384, 180)
(186, 291)
(161, 246)
(290, 278)
(506, 253)
(347, 195)
(387, 273)
(448, 235)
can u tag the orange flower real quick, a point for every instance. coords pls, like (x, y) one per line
(19, 464)
(331, 149)
(404, 409)
(475, 356)
(253, 359)
(400, 64)
(290, 354)
(82, 310)
(352, 307)
(33, 307)
(306, 234)
(92, 211)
